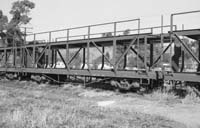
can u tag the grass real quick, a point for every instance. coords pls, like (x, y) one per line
(28, 105)
(190, 96)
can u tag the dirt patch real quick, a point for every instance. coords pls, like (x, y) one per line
(105, 103)
(94, 93)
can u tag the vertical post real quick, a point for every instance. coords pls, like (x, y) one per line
(152, 30)
(198, 69)
(52, 58)
(171, 23)
(49, 37)
(67, 34)
(114, 53)
(138, 45)
(103, 58)
(182, 55)
(14, 55)
(83, 59)
(88, 32)
(45, 59)
(5, 54)
(49, 56)
(115, 28)
(67, 54)
(162, 45)
(88, 55)
(182, 26)
(138, 52)
(125, 58)
(25, 35)
(55, 51)
(151, 54)
(145, 55)
(34, 51)
(21, 56)
(171, 40)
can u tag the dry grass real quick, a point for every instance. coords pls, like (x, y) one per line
(162, 95)
(47, 107)
(191, 97)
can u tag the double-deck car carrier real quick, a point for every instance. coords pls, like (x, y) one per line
(132, 55)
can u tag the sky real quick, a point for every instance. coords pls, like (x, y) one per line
(59, 14)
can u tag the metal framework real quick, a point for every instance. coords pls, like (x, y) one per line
(42, 58)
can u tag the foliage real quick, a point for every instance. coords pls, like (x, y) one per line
(20, 16)
(20, 11)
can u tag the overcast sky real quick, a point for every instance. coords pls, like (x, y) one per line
(58, 14)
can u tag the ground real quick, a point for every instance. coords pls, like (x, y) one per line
(26, 104)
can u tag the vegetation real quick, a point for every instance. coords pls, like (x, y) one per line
(10, 30)
(26, 104)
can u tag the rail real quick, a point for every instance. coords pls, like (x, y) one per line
(67, 32)
(87, 27)
(130, 30)
(181, 13)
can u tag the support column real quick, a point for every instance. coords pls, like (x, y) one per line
(103, 58)
(33, 56)
(125, 58)
(114, 53)
(176, 57)
(83, 66)
(198, 69)
(151, 54)
(49, 57)
(67, 55)
(88, 55)
(5, 54)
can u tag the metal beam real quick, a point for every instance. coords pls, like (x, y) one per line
(102, 53)
(151, 54)
(66, 65)
(83, 66)
(140, 57)
(74, 56)
(29, 55)
(42, 53)
(125, 52)
(88, 56)
(125, 58)
(95, 73)
(187, 49)
(161, 54)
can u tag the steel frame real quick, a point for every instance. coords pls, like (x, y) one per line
(51, 51)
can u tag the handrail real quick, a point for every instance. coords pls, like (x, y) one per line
(131, 30)
(180, 13)
(88, 27)
(84, 26)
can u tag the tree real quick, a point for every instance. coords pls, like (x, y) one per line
(20, 16)
(3, 24)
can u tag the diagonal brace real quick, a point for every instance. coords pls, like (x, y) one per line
(187, 49)
(42, 53)
(161, 54)
(102, 53)
(66, 65)
(129, 47)
(74, 56)
(140, 57)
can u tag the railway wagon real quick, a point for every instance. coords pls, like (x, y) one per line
(127, 56)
